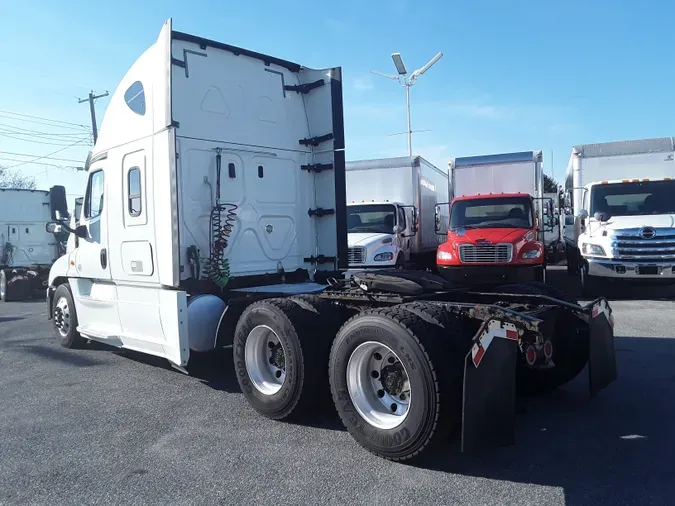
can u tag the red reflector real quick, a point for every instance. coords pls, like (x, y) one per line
(512, 334)
(548, 349)
(530, 355)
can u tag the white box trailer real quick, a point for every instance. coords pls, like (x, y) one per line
(390, 211)
(215, 214)
(27, 250)
(622, 199)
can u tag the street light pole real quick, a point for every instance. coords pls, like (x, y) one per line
(407, 96)
(403, 80)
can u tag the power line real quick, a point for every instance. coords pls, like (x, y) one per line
(43, 119)
(36, 122)
(64, 167)
(9, 136)
(27, 131)
(46, 157)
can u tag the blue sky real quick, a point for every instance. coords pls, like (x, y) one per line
(515, 76)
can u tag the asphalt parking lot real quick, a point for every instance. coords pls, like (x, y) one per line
(100, 426)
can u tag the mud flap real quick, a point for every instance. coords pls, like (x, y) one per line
(489, 403)
(602, 356)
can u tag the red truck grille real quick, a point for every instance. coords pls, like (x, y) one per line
(493, 253)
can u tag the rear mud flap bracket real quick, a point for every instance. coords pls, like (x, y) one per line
(489, 400)
(601, 355)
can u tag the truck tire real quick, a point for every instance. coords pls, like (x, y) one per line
(277, 357)
(64, 317)
(570, 346)
(5, 294)
(540, 274)
(591, 286)
(572, 261)
(392, 348)
(13, 287)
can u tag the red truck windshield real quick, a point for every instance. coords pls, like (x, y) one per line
(498, 212)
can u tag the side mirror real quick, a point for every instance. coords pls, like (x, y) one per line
(602, 217)
(53, 227)
(58, 205)
(81, 231)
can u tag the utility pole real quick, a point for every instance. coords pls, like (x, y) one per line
(91, 98)
(407, 82)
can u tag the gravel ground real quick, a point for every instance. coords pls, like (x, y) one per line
(99, 426)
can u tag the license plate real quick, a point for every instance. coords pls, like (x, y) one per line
(649, 270)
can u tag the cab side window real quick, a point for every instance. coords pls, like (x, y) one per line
(134, 204)
(93, 205)
(401, 217)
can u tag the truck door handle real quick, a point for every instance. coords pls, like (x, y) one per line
(104, 258)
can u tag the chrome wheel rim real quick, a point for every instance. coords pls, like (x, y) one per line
(62, 317)
(3, 285)
(265, 359)
(379, 385)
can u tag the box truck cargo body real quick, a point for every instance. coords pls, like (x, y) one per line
(390, 211)
(622, 200)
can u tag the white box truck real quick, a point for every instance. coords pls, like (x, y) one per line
(390, 212)
(27, 249)
(215, 214)
(624, 211)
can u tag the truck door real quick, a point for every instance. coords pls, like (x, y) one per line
(404, 238)
(94, 293)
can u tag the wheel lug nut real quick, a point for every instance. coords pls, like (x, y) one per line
(380, 393)
(391, 360)
(375, 374)
(270, 345)
(377, 356)
(402, 397)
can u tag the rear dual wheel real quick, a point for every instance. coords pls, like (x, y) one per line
(392, 396)
(280, 351)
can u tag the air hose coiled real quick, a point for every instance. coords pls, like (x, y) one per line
(217, 267)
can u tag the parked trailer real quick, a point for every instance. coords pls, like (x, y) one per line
(390, 211)
(215, 214)
(27, 250)
(621, 195)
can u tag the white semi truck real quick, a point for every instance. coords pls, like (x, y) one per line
(215, 214)
(622, 199)
(390, 212)
(27, 250)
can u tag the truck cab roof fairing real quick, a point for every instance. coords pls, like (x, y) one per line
(140, 105)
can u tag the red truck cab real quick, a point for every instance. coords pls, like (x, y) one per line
(492, 238)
